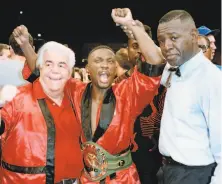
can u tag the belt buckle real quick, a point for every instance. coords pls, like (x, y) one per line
(95, 162)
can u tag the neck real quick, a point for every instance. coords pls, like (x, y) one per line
(194, 52)
(120, 71)
(98, 94)
(17, 57)
(55, 96)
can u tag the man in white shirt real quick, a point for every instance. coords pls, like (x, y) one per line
(191, 121)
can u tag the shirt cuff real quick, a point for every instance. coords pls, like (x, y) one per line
(150, 70)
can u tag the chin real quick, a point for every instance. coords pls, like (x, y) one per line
(55, 87)
(104, 86)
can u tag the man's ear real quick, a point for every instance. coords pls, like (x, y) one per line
(194, 35)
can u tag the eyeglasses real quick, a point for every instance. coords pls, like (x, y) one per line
(204, 47)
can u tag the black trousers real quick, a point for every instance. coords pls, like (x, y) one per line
(179, 174)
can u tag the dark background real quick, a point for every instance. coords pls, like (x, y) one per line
(77, 22)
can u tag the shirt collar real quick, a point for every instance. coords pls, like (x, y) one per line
(191, 64)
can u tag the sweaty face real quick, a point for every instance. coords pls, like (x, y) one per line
(212, 45)
(133, 51)
(102, 68)
(54, 72)
(176, 41)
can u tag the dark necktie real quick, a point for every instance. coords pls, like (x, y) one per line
(176, 70)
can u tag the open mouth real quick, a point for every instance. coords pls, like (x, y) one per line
(104, 77)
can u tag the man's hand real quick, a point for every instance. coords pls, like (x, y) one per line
(128, 32)
(21, 35)
(121, 16)
(7, 93)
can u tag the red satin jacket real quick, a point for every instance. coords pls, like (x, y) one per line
(26, 139)
(132, 95)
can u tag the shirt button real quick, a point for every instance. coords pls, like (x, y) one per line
(54, 104)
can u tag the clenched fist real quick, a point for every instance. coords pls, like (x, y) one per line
(121, 16)
(21, 35)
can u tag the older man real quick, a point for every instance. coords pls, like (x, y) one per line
(40, 133)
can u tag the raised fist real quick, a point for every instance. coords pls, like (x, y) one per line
(121, 16)
(21, 35)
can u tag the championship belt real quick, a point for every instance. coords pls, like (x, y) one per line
(98, 163)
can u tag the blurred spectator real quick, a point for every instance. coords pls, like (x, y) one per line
(122, 59)
(16, 51)
(204, 45)
(4, 51)
(77, 74)
(211, 34)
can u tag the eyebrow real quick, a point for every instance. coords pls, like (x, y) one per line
(168, 34)
(48, 61)
(98, 58)
(62, 62)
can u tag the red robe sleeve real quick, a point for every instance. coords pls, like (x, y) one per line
(138, 91)
(26, 72)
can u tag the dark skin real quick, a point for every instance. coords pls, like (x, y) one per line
(133, 51)
(101, 64)
(178, 41)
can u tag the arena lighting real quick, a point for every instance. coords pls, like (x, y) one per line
(21, 12)
(39, 35)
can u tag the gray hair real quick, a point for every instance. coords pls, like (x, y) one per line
(55, 46)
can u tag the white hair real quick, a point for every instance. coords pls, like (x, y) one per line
(59, 48)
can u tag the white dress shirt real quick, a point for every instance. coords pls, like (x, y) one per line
(191, 121)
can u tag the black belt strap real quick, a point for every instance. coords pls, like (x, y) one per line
(23, 170)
